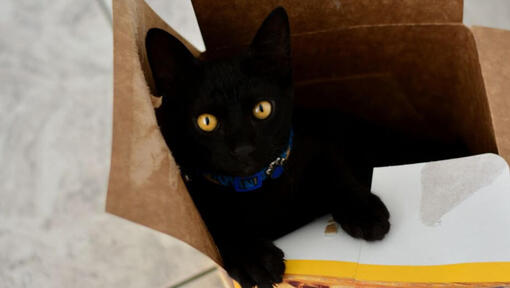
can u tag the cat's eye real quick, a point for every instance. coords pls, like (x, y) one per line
(262, 110)
(207, 122)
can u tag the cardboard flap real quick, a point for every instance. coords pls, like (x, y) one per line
(229, 23)
(494, 53)
(422, 79)
(145, 184)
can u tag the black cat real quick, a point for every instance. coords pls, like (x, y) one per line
(257, 169)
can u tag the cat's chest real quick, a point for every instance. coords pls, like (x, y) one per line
(272, 192)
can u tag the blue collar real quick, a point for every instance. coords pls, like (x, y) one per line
(249, 183)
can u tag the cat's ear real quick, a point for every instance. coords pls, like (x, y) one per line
(270, 48)
(168, 58)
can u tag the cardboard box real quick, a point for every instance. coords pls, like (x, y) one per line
(411, 65)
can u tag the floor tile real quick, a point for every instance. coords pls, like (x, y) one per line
(55, 139)
(493, 13)
(179, 15)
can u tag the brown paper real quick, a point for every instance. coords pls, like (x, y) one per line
(409, 65)
(145, 185)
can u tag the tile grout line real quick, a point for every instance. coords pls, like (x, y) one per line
(106, 11)
(194, 277)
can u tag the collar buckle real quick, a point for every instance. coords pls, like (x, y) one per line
(275, 165)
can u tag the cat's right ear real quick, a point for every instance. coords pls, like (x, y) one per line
(269, 52)
(168, 58)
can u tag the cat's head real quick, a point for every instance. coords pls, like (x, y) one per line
(229, 116)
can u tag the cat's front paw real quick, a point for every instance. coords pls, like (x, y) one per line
(366, 218)
(259, 264)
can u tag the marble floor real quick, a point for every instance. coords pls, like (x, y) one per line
(55, 139)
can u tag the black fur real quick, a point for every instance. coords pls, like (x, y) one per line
(316, 180)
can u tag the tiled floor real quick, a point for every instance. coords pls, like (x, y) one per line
(55, 137)
(55, 141)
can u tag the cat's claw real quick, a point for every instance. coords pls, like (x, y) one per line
(260, 265)
(366, 219)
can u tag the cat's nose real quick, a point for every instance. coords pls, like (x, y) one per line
(243, 150)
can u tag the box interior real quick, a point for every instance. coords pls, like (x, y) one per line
(423, 81)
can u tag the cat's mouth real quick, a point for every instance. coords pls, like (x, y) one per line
(247, 168)
(247, 163)
(248, 160)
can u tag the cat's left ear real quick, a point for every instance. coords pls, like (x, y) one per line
(168, 59)
(270, 48)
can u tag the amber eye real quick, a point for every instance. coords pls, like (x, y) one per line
(207, 122)
(262, 110)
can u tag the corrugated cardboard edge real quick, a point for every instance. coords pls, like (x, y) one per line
(244, 17)
(145, 184)
(494, 53)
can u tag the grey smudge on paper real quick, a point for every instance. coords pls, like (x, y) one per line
(445, 184)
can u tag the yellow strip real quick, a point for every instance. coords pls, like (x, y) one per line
(321, 268)
(465, 272)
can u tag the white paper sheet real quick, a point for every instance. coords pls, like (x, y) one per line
(475, 228)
